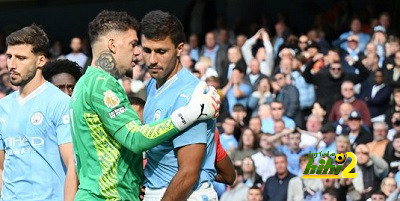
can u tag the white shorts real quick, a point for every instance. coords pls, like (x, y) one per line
(206, 192)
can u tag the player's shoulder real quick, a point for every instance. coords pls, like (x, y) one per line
(54, 94)
(187, 81)
(10, 98)
(95, 78)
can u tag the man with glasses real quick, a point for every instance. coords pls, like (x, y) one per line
(64, 74)
(370, 170)
(347, 91)
(328, 82)
(277, 111)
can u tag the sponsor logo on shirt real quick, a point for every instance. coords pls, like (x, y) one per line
(19, 145)
(110, 99)
(117, 112)
(37, 118)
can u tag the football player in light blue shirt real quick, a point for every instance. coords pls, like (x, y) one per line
(182, 167)
(36, 154)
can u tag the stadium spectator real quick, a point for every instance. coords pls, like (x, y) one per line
(64, 74)
(76, 55)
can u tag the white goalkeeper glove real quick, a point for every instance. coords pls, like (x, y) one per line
(204, 104)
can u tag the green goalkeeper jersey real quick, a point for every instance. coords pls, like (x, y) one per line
(109, 139)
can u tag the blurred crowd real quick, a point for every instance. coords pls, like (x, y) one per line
(286, 95)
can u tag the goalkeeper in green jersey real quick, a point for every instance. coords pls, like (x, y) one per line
(107, 135)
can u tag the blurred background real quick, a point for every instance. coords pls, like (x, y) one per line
(64, 19)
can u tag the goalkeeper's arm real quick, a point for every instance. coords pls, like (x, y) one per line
(139, 138)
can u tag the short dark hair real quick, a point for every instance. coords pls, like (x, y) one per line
(238, 107)
(397, 135)
(281, 155)
(158, 25)
(331, 191)
(137, 101)
(107, 21)
(31, 35)
(238, 170)
(61, 66)
(377, 191)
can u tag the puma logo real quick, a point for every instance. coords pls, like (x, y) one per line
(201, 111)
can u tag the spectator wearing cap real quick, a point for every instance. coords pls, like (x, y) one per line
(347, 91)
(355, 29)
(328, 83)
(378, 145)
(358, 134)
(285, 53)
(379, 38)
(352, 52)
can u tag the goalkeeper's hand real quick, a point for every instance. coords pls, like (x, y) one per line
(204, 104)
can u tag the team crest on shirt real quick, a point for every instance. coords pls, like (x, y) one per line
(157, 115)
(110, 99)
(37, 118)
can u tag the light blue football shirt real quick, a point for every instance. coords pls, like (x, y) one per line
(31, 129)
(162, 164)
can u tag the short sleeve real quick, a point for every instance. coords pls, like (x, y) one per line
(221, 153)
(61, 120)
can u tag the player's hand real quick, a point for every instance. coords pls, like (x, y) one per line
(205, 101)
(204, 104)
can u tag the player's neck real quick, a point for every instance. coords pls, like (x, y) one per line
(105, 60)
(32, 85)
(161, 82)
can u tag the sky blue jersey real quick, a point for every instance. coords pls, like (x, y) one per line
(31, 129)
(162, 164)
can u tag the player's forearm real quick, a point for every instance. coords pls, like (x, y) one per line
(71, 183)
(139, 138)
(225, 171)
(181, 186)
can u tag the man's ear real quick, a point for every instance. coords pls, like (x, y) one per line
(41, 61)
(111, 46)
(180, 49)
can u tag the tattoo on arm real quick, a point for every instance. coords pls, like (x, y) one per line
(107, 62)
